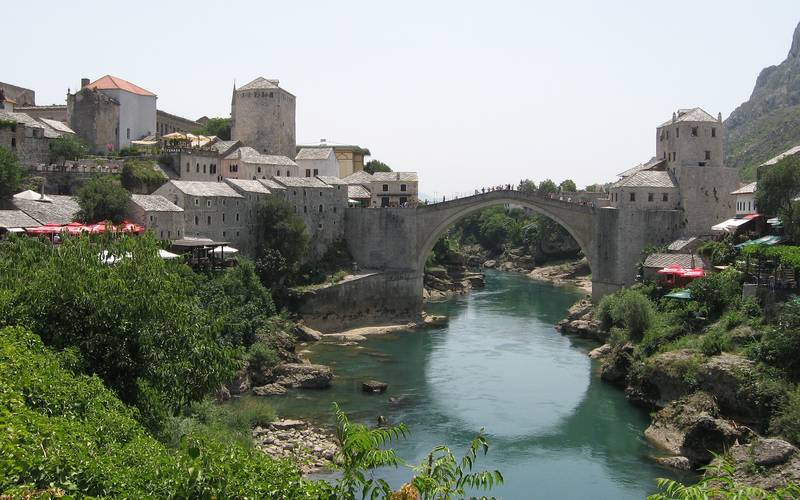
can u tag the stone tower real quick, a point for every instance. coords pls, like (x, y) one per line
(691, 144)
(263, 117)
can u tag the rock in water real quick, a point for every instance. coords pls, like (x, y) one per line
(307, 333)
(373, 386)
(489, 264)
(270, 390)
(303, 376)
(287, 424)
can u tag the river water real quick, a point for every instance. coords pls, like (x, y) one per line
(555, 429)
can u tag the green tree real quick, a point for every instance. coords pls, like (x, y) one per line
(594, 188)
(10, 173)
(547, 187)
(103, 198)
(220, 127)
(777, 190)
(67, 147)
(526, 186)
(373, 166)
(281, 240)
(567, 186)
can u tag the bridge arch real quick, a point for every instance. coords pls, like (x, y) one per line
(434, 220)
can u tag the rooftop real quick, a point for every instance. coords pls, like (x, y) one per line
(647, 178)
(16, 218)
(314, 153)
(336, 146)
(331, 180)
(248, 186)
(109, 82)
(271, 185)
(790, 152)
(305, 182)
(395, 176)
(205, 188)
(223, 147)
(746, 189)
(261, 83)
(53, 208)
(155, 203)
(662, 260)
(682, 244)
(651, 164)
(690, 115)
(250, 155)
(359, 177)
(57, 125)
(358, 192)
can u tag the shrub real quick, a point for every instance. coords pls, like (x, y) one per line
(141, 176)
(787, 420)
(718, 291)
(635, 312)
(715, 342)
(10, 173)
(103, 198)
(780, 345)
(732, 319)
(603, 312)
(261, 357)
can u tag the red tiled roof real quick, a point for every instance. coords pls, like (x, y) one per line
(109, 82)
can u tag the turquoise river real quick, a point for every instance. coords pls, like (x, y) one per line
(555, 429)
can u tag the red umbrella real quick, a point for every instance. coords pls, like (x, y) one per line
(130, 227)
(75, 228)
(101, 227)
(46, 229)
(674, 269)
(697, 272)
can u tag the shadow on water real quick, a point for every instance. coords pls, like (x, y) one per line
(556, 430)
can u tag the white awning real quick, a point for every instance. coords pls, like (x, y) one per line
(167, 255)
(730, 225)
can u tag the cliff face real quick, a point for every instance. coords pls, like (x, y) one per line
(769, 122)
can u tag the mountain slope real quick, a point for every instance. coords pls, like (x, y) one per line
(769, 122)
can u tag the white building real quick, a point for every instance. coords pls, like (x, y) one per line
(315, 162)
(137, 107)
(746, 199)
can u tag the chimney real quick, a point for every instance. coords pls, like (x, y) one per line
(719, 117)
(674, 117)
(322, 141)
(84, 82)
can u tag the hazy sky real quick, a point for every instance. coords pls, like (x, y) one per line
(466, 93)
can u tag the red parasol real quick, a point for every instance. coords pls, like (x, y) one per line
(46, 229)
(673, 269)
(130, 227)
(697, 272)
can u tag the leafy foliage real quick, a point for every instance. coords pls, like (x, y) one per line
(627, 309)
(10, 173)
(786, 255)
(717, 291)
(719, 252)
(140, 176)
(137, 324)
(69, 435)
(567, 186)
(281, 240)
(220, 127)
(787, 421)
(780, 346)
(373, 166)
(67, 147)
(103, 198)
(777, 189)
(547, 187)
(527, 186)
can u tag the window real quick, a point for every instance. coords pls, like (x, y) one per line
(237, 234)
(667, 134)
(162, 235)
(650, 197)
(209, 220)
(403, 187)
(13, 142)
(169, 234)
(665, 197)
(237, 216)
(633, 196)
(308, 172)
(259, 170)
(196, 221)
(279, 173)
(385, 187)
(151, 218)
(316, 172)
(305, 209)
(334, 209)
(204, 168)
(694, 131)
(320, 209)
(197, 168)
(213, 168)
(187, 166)
(208, 203)
(677, 132)
(129, 133)
(713, 131)
(224, 234)
(403, 200)
(320, 194)
(708, 155)
(196, 201)
(223, 216)
(288, 174)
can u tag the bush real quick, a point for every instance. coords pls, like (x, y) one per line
(603, 312)
(715, 342)
(103, 198)
(780, 345)
(628, 309)
(716, 292)
(787, 421)
(141, 176)
(10, 173)
(261, 357)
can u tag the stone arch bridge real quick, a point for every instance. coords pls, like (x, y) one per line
(392, 244)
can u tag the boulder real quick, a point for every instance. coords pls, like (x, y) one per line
(306, 333)
(490, 264)
(302, 376)
(507, 266)
(241, 383)
(767, 463)
(270, 390)
(374, 386)
(600, 352)
(677, 462)
(724, 376)
(670, 375)
(223, 394)
(287, 424)
(691, 427)
(617, 363)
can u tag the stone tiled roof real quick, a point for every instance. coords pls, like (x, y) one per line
(20, 118)
(314, 154)
(57, 125)
(336, 146)
(395, 176)
(690, 115)
(330, 179)
(224, 147)
(59, 209)
(261, 83)
(248, 186)
(651, 164)
(359, 177)
(357, 192)
(271, 185)
(16, 218)
(746, 189)
(155, 203)
(683, 244)
(250, 155)
(647, 178)
(206, 188)
(109, 82)
(304, 182)
(685, 260)
(790, 152)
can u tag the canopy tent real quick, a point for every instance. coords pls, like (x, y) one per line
(680, 295)
(672, 269)
(765, 240)
(224, 251)
(175, 136)
(167, 255)
(697, 272)
(733, 225)
(144, 143)
(77, 228)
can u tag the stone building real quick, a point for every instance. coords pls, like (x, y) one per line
(56, 112)
(263, 117)
(394, 189)
(315, 162)
(27, 138)
(212, 210)
(247, 163)
(94, 116)
(47, 209)
(20, 95)
(254, 193)
(167, 123)
(745, 198)
(321, 206)
(688, 157)
(349, 157)
(196, 164)
(158, 214)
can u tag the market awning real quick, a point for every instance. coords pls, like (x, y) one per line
(680, 295)
(144, 143)
(672, 269)
(167, 255)
(765, 240)
(732, 225)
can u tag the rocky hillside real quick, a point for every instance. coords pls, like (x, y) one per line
(769, 122)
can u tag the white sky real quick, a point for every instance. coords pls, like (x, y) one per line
(466, 93)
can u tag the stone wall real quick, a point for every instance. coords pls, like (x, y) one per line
(382, 239)
(95, 118)
(29, 144)
(167, 123)
(53, 112)
(689, 149)
(322, 210)
(164, 225)
(22, 96)
(706, 197)
(265, 120)
(197, 165)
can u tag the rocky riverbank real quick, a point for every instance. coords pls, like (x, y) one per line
(703, 406)
(311, 448)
